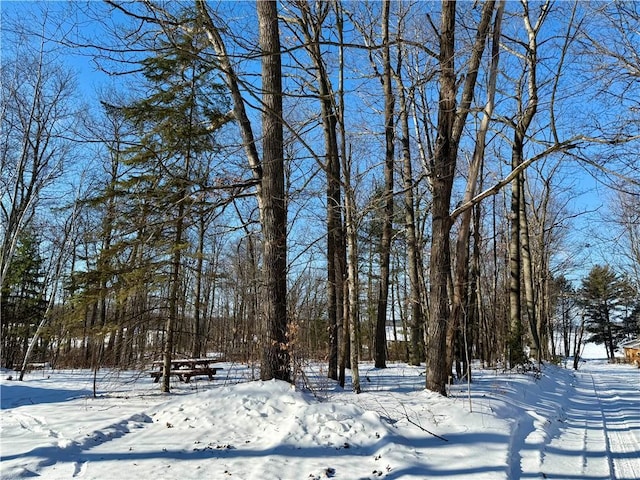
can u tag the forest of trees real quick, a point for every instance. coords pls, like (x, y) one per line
(318, 180)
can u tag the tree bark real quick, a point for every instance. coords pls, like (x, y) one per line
(352, 311)
(451, 121)
(341, 252)
(172, 318)
(275, 357)
(461, 270)
(198, 330)
(312, 27)
(517, 222)
(443, 173)
(416, 340)
(528, 273)
(515, 347)
(387, 222)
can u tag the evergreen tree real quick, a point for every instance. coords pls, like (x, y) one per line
(602, 296)
(23, 303)
(631, 309)
(173, 128)
(630, 304)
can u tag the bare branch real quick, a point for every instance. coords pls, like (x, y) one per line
(558, 147)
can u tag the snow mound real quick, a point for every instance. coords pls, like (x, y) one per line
(272, 419)
(274, 412)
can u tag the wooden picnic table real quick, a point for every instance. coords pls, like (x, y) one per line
(185, 368)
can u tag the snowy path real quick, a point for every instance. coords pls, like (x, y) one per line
(595, 435)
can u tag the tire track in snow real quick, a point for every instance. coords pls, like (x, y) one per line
(537, 420)
(621, 438)
(599, 436)
(605, 430)
(625, 467)
(579, 448)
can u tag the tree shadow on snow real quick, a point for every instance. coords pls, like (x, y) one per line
(78, 453)
(18, 394)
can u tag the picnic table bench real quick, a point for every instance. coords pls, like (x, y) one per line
(186, 368)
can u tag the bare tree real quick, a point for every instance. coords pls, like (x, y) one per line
(311, 22)
(53, 281)
(451, 121)
(520, 254)
(380, 343)
(461, 271)
(38, 118)
(37, 115)
(352, 308)
(414, 264)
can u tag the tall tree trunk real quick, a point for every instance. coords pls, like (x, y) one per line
(352, 311)
(341, 251)
(175, 277)
(275, 357)
(545, 311)
(103, 263)
(269, 175)
(451, 123)
(174, 291)
(335, 275)
(344, 360)
(442, 174)
(528, 273)
(461, 271)
(525, 116)
(198, 330)
(516, 350)
(387, 216)
(479, 313)
(312, 28)
(416, 341)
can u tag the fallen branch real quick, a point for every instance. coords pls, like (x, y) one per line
(406, 415)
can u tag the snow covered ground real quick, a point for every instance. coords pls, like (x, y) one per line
(562, 425)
